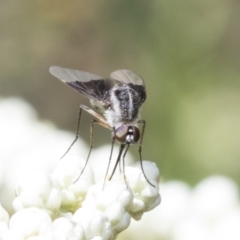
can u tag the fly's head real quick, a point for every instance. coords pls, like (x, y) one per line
(127, 134)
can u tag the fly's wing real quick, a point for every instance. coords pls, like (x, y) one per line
(132, 80)
(127, 77)
(90, 85)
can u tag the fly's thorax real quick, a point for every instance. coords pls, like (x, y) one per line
(125, 104)
(113, 118)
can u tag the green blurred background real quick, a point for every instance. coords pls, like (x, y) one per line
(187, 52)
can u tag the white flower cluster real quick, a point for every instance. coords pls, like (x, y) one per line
(56, 207)
(49, 206)
(209, 211)
(50, 201)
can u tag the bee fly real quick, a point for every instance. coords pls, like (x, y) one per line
(117, 99)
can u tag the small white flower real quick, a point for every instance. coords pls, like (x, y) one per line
(28, 223)
(146, 197)
(64, 177)
(35, 189)
(114, 201)
(64, 229)
(95, 224)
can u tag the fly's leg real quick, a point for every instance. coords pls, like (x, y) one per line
(122, 146)
(124, 175)
(140, 149)
(77, 131)
(101, 122)
(110, 158)
(94, 121)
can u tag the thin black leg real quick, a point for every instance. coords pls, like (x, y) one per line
(124, 175)
(110, 158)
(122, 146)
(140, 149)
(77, 132)
(94, 121)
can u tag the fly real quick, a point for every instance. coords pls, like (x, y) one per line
(117, 100)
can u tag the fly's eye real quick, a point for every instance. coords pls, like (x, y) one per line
(127, 134)
(121, 133)
(135, 133)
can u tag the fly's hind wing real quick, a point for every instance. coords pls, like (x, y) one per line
(131, 79)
